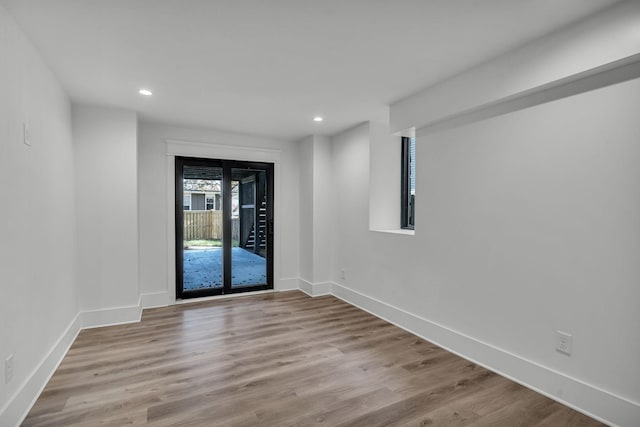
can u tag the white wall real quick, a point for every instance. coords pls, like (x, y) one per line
(323, 209)
(305, 161)
(540, 208)
(603, 39)
(525, 224)
(526, 221)
(350, 172)
(317, 195)
(384, 188)
(105, 142)
(37, 221)
(157, 275)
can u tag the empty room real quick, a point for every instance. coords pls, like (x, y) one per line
(337, 213)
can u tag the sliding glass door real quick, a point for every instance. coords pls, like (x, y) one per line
(224, 227)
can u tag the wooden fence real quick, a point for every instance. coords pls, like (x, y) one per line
(207, 225)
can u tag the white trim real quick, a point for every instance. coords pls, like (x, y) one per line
(314, 289)
(305, 287)
(18, 406)
(401, 231)
(321, 288)
(286, 284)
(603, 405)
(154, 299)
(111, 316)
(225, 296)
(221, 151)
(171, 237)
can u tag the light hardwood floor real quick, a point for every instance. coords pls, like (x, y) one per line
(281, 359)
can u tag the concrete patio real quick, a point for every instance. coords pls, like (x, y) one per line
(203, 268)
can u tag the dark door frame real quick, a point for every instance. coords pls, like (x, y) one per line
(227, 166)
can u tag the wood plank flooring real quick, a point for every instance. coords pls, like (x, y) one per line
(281, 359)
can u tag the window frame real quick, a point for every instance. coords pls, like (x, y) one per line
(186, 206)
(407, 204)
(206, 202)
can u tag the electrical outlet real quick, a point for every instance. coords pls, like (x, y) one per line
(343, 274)
(8, 369)
(564, 342)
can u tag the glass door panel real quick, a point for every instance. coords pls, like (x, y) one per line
(249, 217)
(202, 237)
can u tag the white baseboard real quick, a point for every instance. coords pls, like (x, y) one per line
(16, 409)
(154, 299)
(314, 289)
(111, 316)
(586, 398)
(287, 284)
(305, 287)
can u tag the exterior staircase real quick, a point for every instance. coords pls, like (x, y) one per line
(261, 236)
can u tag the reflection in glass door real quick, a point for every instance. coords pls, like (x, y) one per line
(224, 227)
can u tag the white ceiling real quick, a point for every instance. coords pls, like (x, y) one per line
(266, 67)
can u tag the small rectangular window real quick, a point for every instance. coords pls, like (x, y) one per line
(408, 182)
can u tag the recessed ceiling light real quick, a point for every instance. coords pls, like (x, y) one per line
(317, 119)
(145, 92)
